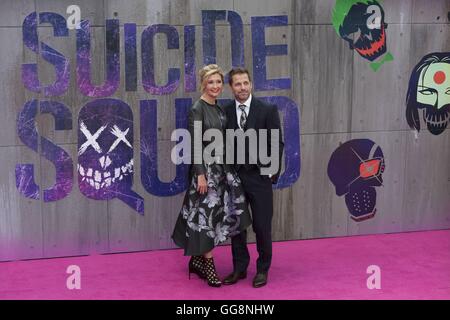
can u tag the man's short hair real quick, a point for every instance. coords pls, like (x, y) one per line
(238, 70)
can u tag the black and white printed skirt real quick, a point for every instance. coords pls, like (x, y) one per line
(208, 219)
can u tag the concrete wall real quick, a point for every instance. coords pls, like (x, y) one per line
(336, 95)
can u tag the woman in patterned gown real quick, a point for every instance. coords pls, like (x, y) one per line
(214, 207)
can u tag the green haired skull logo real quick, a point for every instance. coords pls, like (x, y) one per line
(361, 23)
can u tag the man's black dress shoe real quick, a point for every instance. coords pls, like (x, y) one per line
(234, 277)
(260, 280)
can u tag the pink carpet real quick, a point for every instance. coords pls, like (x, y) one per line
(413, 266)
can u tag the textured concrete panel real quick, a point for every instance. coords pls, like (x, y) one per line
(13, 12)
(21, 231)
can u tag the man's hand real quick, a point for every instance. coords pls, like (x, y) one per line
(274, 179)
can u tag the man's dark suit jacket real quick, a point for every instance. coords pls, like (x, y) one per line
(261, 116)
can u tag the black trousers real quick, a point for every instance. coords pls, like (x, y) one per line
(258, 190)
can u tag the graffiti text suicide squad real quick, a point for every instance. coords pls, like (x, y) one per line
(105, 164)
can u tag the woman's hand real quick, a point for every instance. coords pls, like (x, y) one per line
(202, 185)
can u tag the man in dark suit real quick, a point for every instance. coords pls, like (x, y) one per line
(247, 113)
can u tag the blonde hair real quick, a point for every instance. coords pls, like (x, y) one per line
(208, 71)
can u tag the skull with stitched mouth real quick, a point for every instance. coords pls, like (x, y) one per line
(355, 169)
(429, 92)
(363, 27)
(105, 151)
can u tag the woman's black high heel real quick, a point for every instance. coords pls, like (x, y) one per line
(209, 270)
(196, 266)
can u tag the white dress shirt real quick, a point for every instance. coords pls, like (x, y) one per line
(247, 109)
